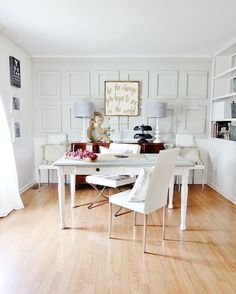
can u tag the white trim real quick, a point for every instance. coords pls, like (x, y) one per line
(214, 187)
(123, 56)
(27, 186)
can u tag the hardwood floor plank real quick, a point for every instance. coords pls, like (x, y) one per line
(36, 256)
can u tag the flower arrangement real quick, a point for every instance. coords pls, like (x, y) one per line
(81, 155)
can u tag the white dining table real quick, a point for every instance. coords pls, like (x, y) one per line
(108, 164)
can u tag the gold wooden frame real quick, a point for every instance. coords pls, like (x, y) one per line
(124, 111)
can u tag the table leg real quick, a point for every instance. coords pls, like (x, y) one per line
(171, 192)
(184, 200)
(61, 196)
(72, 191)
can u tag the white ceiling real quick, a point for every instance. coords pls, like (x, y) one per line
(119, 27)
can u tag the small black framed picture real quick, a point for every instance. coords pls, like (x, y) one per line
(15, 72)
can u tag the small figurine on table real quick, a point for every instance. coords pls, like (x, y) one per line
(95, 131)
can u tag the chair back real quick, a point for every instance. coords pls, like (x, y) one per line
(184, 140)
(156, 196)
(124, 148)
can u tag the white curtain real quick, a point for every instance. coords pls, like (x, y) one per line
(9, 192)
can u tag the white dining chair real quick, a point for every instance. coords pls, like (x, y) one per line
(156, 195)
(111, 181)
(198, 156)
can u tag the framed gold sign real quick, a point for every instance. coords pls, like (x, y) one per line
(121, 98)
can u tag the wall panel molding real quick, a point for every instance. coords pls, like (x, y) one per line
(49, 84)
(165, 84)
(195, 84)
(77, 84)
(100, 77)
(50, 118)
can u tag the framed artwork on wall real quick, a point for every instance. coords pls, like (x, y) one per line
(16, 129)
(15, 103)
(15, 77)
(121, 98)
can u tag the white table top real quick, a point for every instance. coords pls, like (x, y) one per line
(138, 160)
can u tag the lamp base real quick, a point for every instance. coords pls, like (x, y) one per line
(157, 141)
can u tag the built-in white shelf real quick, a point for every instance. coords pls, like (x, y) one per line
(225, 119)
(224, 96)
(228, 74)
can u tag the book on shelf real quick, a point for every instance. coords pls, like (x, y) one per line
(221, 129)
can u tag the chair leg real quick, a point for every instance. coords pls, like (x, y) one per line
(193, 177)
(203, 180)
(39, 180)
(110, 219)
(144, 232)
(179, 184)
(120, 208)
(163, 222)
(134, 218)
(100, 194)
(48, 176)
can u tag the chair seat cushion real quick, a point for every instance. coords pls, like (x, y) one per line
(191, 154)
(110, 181)
(122, 199)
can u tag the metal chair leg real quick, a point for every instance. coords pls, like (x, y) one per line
(144, 232)
(110, 221)
(100, 194)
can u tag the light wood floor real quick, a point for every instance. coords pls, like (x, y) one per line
(38, 257)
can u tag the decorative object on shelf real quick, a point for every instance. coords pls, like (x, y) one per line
(95, 131)
(234, 84)
(83, 109)
(14, 72)
(159, 110)
(121, 98)
(233, 109)
(232, 133)
(16, 129)
(80, 154)
(221, 129)
(143, 137)
(15, 103)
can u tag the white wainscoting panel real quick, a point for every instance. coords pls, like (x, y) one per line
(49, 85)
(168, 124)
(165, 84)
(78, 84)
(195, 119)
(104, 75)
(182, 83)
(50, 119)
(137, 75)
(195, 84)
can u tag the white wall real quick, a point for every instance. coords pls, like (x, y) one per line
(221, 166)
(182, 82)
(24, 152)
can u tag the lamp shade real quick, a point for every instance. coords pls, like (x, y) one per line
(83, 109)
(156, 109)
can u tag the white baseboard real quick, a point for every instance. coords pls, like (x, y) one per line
(213, 186)
(26, 187)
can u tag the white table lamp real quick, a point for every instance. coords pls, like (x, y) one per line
(159, 110)
(83, 109)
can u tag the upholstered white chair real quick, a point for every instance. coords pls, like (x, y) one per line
(191, 152)
(156, 194)
(112, 181)
(51, 152)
